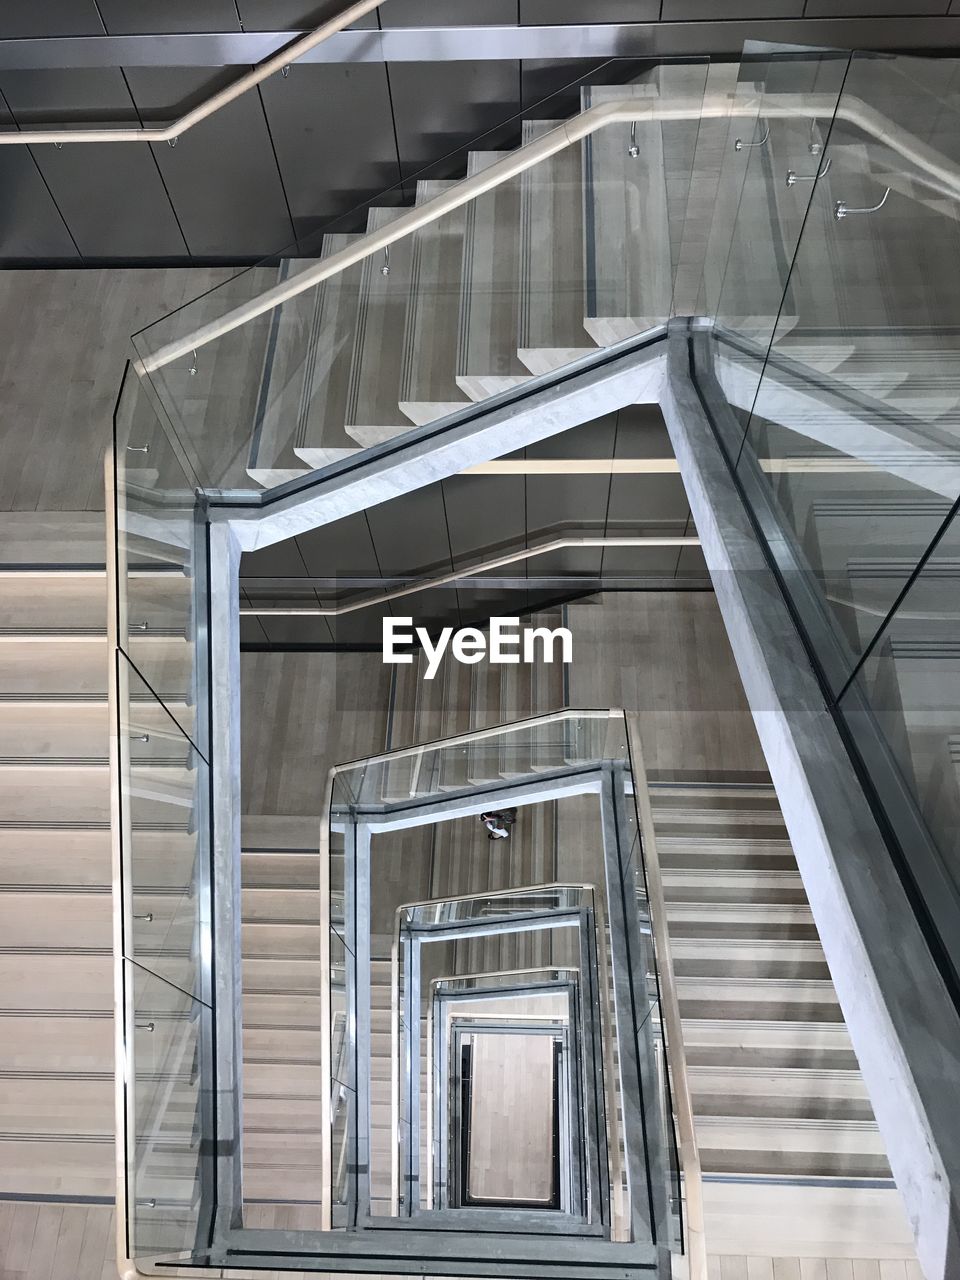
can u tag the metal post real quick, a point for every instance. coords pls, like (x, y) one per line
(645, 1164)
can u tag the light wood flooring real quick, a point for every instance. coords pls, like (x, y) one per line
(76, 1242)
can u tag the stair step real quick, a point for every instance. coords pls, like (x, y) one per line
(31, 858)
(286, 906)
(810, 1148)
(372, 412)
(694, 850)
(551, 333)
(80, 1041)
(748, 957)
(317, 458)
(67, 1166)
(270, 832)
(276, 872)
(291, 1045)
(298, 1010)
(78, 667)
(275, 941)
(53, 538)
(78, 794)
(57, 981)
(67, 732)
(296, 1117)
(736, 920)
(625, 199)
(740, 887)
(277, 1078)
(792, 1093)
(48, 919)
(428, 386)
(786, 999)
(45, 1105)
(288, 975)
(487, 361)
(326, 377)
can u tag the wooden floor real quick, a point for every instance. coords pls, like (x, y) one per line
(727, 1267)
(76, 1242)
(511, 1125)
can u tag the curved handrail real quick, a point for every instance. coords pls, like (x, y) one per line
(177, 128)
(710, 107)
(424, 584)
(670, 1009)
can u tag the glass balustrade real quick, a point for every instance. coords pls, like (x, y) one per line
(828, 280)
(846, 403)
(476, 980)
(381, 324)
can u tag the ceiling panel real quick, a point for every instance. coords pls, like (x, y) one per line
(23, 19)
(554, 12)
(30, 224)
(342, 549)
(869, 8)
(691, 10)
(448, 13)
(279, 560)
(222, 176)
(295, 15)
(472, 502)
(410, 533)
(333, 133)
(111, 196)
(251, 632)
(280, 631)
(442, 105)
(569, 504)
(155, 17)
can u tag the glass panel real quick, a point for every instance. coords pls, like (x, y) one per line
(162, 798)
(155, 547)
(496, 905)
(771, 169)
(908, 690)
(518, 280)
(855, 418)
(342, 1154)
(168, 1166)
(530, 747)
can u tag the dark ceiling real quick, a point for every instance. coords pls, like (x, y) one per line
(467, 519)
(306, 148)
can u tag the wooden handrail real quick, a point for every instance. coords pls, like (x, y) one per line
(177, 128)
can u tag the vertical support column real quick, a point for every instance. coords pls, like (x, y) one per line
(598, 1101)
(412, 1014)
(356, 852)
(222, 576)
(645, 1157)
